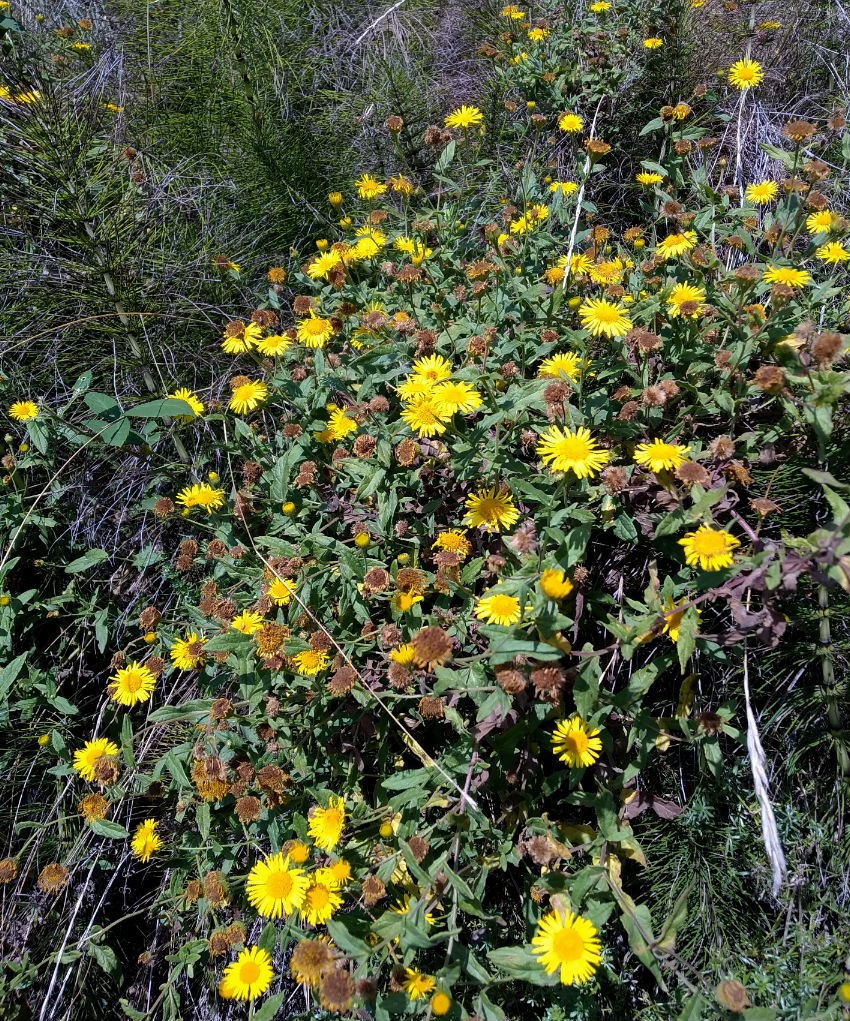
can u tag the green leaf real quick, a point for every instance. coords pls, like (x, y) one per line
(654, 125)
(165, 407)
(194, 711)
(131, 1012)
(9, 674)
(106, 959)
(269, 1009)
(202, 817)
(105, 828)
(520, 962)
(340, 932)
(686, 642)
(87, 560)
(446, 157)
(102, 405)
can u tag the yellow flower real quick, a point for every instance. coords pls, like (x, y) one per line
(660, 456)
(512, 11)
(131, 684)
(23, 411)
(833, 252)
(676, 244)
(402, 654)
(248, 977)
(565, 188)
(434, 368)
(653, 43)
(201, 495)
(537, 35)
(247, 622)
(414, 387)
(604, 318)
(281, 591)
(326, 824)
(32, 96)
(599, 6)
(87, 756)
(243, 341)
(146, 840)
(323, 264)
(570, 122)
(566, 363)
(680, 295)
(315, 331)
(609, 271)
(416, 985)
(453, 541)
(339, 425)
(745, 74)
(786, 275)
(275, 888)
(187, 653)
(762, 193)
(673, 617)
(426, 415)
(247, 396)
(335, 198)
(490, 509)
(575, 743)
(820, 223)
(464, 117)
(362, 540)
(441, 1003)
(185, 394)
(400, 184)
(567, 943)
(321, 900)
(555, 584)
(498, 608)
(709, 548)
(339, 872)
(571, 450)
(275, 344)
(452, 397)
(310, 662)
(299, 852)
(404, 601)
(647, 178)
(369, 188)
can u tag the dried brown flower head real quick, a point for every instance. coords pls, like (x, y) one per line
(163, 507)
(769, 378)
(8, 870)
(53, 878)
(337, 989)
(691, 472)
(510, 679)
(248, 809)
(430, 708)
(826, 347)
(373, 890)
(432, 647)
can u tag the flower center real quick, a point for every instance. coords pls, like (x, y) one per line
(318, 896)
(503, 605)
(315, 327)
(576, 742)
(573, 448)
(710, 543)
(249, 972)
(568, 945)
(133, 680)
(607, 314)
(279, 885)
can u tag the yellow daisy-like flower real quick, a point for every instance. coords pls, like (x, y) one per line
(201, 495)
(570, 122)
(339, 425)
(833, 252)
(315, 331)
(564, 187)
(745, 74)
(281, 591)
(537, 35)
(323, 264)
(599, 6)
(575, 743)
(441, 1003)
(275, 344)
(491, 509)
(244, 341)
(310, 662)
(653, 43)
(648, 178)
(555, 584)
(426, 416)
(465, 117)
(709, 548)
(786, 275)
(452, 397)
(23, 411)
(416, 985)
(680, 295)
(498, 608)
(676, 244)
(604, 318)
(579, 263)
(131, 684)
(369, 188)
(335, 198)
(609, 271)
(413, 387)
(572, 450)
(146, 841)
(403, 601)
(512, 11)
(248, 396)
(248, 977)
(762, 193)
(275, 888)
(188, 653)
(660, 456)
(673, 617)
(402, 654)
(434, 368)
(326, 824)
(338, 872)
(185, 394)
(453, 541)
(400, 184)
(820, 222)
(247, 622)
(567, 943)
(566, 363)
(299, 852)
(321, 900)
(86, 758)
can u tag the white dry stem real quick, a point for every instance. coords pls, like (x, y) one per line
(769, 832)
(377, 21)
(580, 199)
